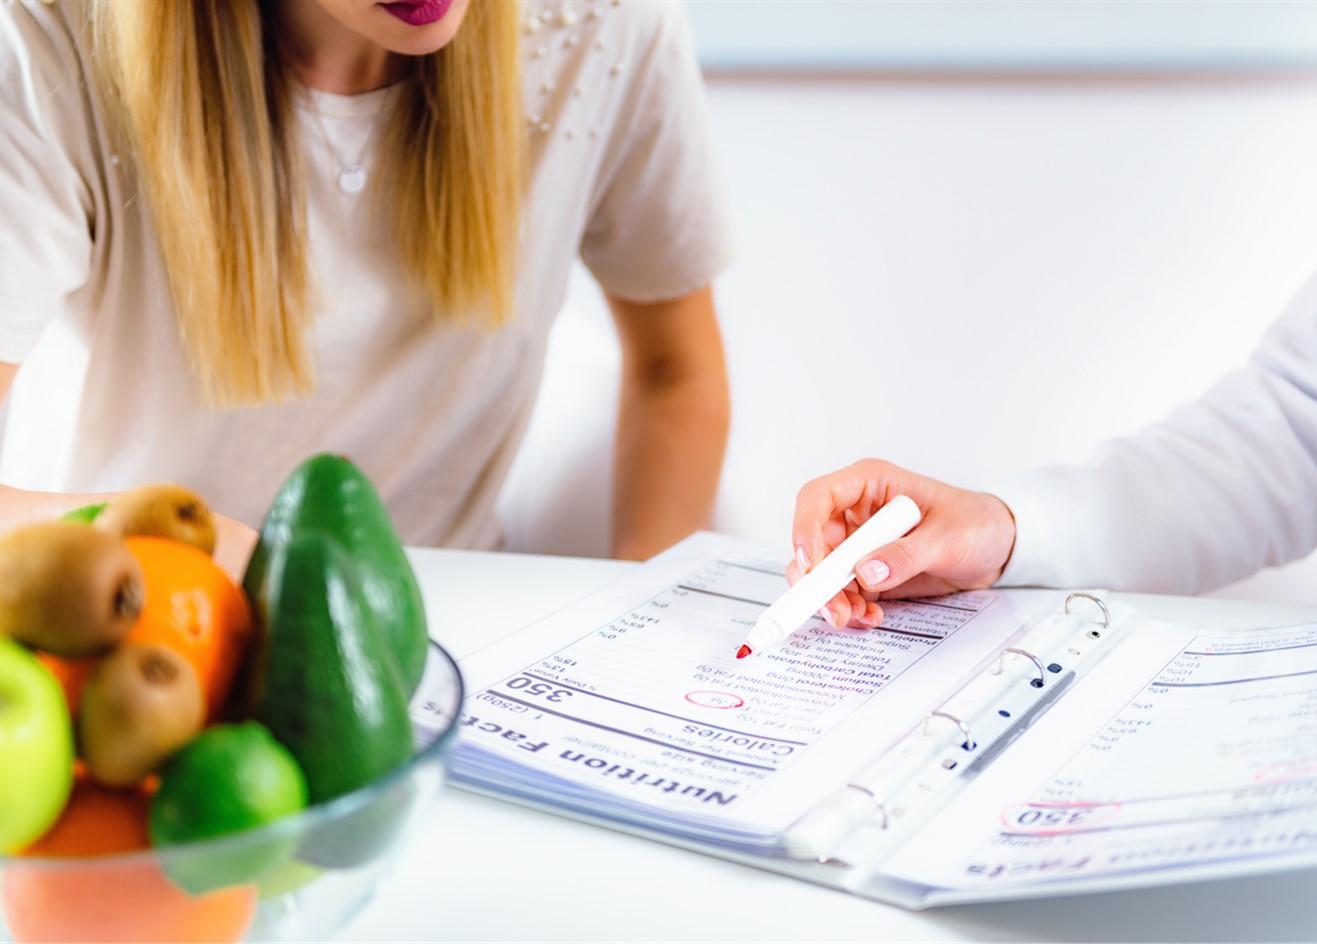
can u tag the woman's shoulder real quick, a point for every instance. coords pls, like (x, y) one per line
(637, 19)
(42, 34)
(601, 18)
(584, 40)
(42, 74)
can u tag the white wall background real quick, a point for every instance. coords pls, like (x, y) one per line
(968, 278)
(1014, 34)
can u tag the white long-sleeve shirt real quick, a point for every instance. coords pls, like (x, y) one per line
(1219, 489)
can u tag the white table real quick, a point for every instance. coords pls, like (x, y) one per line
(481, 870)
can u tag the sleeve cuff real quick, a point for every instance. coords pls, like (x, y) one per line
(666, 282)
(1037, 558)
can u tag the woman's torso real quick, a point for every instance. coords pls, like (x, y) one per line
(105, 398)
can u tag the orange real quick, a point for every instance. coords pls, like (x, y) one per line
(191, 607)
(71, 674)
(97, 822)
(112, 899)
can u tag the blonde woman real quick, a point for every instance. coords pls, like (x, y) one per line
(233, 234)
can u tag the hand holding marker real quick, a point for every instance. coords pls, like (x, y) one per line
(891, 522)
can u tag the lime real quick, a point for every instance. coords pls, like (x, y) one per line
(229, 779)
(288, 878)
(86, 514)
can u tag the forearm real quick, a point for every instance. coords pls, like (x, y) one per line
(1222, 487)
(670, 443)
(672, 421)
(20, 506)
(1183, 507)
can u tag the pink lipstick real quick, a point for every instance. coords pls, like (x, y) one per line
(418, 12)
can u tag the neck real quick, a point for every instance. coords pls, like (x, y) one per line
(328, 56)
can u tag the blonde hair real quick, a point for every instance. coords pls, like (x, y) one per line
(205, 99)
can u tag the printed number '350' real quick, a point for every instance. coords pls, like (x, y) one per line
(539, 689)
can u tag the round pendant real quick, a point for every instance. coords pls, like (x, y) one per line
(352, 179)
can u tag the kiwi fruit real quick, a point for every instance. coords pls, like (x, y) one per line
(161, 511)
(140, 705)
(68, 589)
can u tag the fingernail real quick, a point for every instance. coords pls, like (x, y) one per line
(829, 617)
(802, 559)
(873, 572)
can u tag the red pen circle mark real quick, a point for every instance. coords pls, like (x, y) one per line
(715, 699)
(1299, 769)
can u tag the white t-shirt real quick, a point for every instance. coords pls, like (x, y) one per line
(1221, 488)
(621, 176)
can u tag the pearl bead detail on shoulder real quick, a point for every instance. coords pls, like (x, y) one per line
(559, 108)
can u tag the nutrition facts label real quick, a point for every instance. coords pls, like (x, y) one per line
(1214, 758)
(673, 651)
(650, 700)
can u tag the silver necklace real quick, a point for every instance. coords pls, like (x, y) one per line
(351, 174)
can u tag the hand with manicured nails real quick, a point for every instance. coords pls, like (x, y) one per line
(963, 542)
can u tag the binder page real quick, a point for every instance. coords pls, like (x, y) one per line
(1206, 761)
(632, 705)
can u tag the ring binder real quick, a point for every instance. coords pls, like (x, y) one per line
(969, 743)
(1037, 663)
(1106, 613)
(990, 710)
(882, 807)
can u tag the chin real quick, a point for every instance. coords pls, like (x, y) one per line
(423, 39)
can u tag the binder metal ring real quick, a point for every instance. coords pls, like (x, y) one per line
(1037, 664)
(882, 807)
(969, 743)
(1106, 613)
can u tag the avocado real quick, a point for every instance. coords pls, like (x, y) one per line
(324, 682)
(328, 494)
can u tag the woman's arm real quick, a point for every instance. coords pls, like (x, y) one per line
(672, 422)
(658, 227)
(17, 505)
(233, 539)
(1222, 487)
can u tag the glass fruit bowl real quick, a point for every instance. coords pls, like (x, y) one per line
(301, 878)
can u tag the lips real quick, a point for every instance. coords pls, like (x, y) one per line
(418, 12)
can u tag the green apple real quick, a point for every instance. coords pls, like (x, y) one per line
(36, 748)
